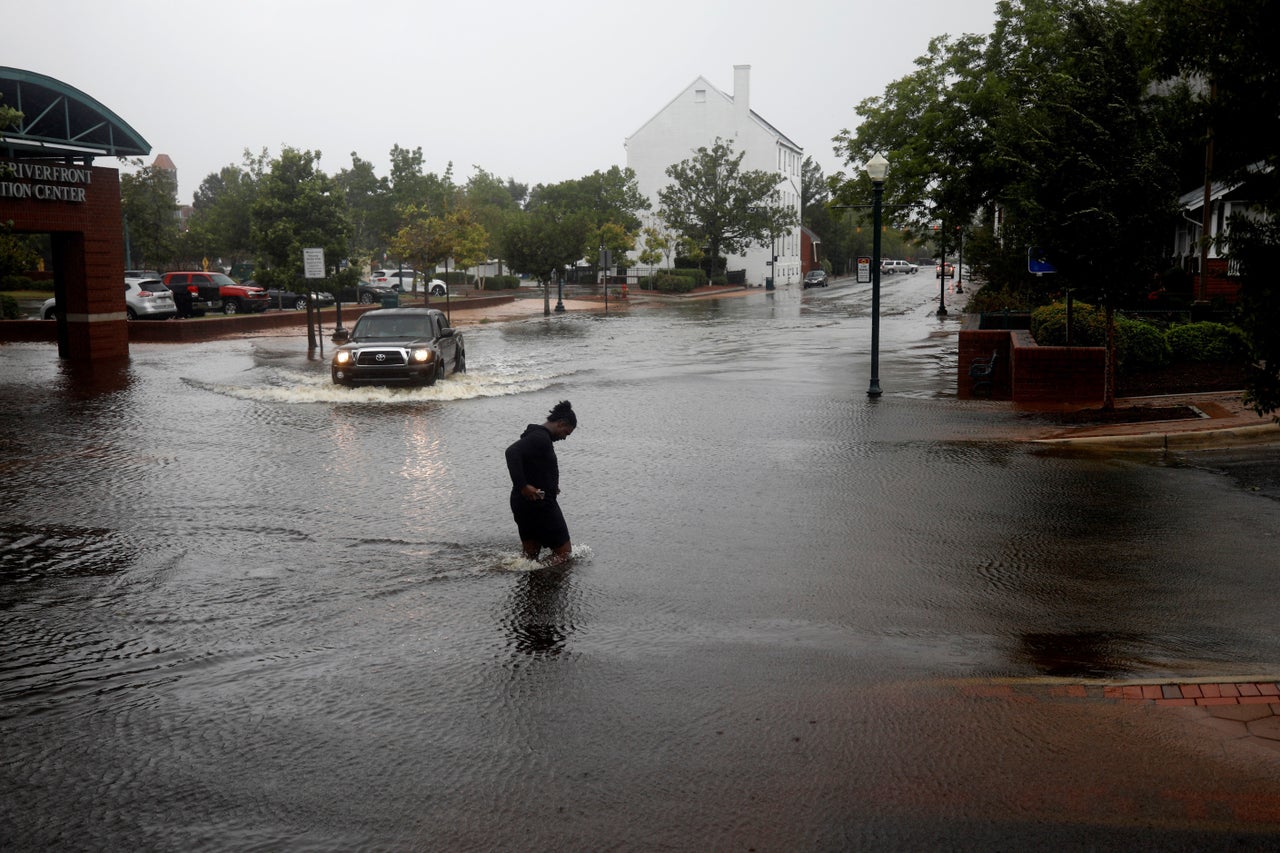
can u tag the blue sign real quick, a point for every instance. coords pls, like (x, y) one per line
(1038, 261)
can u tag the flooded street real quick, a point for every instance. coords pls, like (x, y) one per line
(243, 608)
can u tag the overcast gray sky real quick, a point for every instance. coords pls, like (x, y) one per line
(540, 91)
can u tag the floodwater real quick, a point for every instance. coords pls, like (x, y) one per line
(244, 609)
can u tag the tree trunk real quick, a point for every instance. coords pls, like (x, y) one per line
(1109, 373)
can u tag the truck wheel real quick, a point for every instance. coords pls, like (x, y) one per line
(437, 291)
(231, 306)
(301, 304)
(366, 299)
(460, 363)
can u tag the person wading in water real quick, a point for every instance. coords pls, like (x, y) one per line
(535, 483)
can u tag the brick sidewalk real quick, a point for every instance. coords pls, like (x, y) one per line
(1245, 710)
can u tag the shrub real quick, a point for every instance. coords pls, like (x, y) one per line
(719, 280)
(1140, 345)
(9, 309)
(502, 282)
(1205, 341)
(17, 282)
(1088, 325)
(989, 300)
(699, 276)
(670, 283)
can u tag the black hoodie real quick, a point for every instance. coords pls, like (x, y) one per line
(532, 461)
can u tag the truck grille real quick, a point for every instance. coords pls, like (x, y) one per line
(381, 357)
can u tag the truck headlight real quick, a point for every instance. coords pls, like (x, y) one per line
(423, 355)
(342, 357)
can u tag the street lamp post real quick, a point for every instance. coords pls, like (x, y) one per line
(877, 167)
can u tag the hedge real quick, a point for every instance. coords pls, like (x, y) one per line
(665, 282)
(1206, 341)
(1139, 345)
(9, 308)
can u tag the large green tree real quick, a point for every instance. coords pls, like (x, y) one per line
(541, 243)
(609, 196)
(149, 202)
(297, 207)
(717, 204)
(219, 226)
(369, 208)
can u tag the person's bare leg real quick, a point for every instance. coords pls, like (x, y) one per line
(560, 554)
(530, 548)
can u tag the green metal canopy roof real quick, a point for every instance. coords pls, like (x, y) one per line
(61, 121)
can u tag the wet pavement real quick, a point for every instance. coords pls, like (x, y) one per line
(244, 609)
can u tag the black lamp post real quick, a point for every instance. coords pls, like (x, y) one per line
(560, 294)
(877, 167)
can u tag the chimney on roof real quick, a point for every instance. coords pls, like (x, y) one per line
(742, 89)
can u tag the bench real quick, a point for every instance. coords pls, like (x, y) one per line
(981, 372)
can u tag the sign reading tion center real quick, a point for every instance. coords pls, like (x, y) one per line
(313, 263)
(21, 179)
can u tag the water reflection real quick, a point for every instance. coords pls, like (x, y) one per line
(539, 620)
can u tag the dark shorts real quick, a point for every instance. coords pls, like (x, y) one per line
(540, 521)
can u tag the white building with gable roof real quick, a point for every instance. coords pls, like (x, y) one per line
(694, 119)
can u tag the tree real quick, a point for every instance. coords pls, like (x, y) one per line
(609, 196)
(613, 237)
(149, 202)
(716, 204)
(368, 203)
(297, 207)
(220, 217)
(542, 243)
(412, 188)
(428, 241)
(658, 242)
(491, 202)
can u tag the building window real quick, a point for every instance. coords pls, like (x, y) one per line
(699, 96)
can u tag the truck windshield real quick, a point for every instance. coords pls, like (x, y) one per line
(373, 326)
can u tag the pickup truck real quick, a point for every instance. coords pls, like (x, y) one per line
(233, 298)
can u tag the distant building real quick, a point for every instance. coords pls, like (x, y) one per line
(163, 161)
(694, 119)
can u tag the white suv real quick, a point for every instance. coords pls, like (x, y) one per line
(888, 266)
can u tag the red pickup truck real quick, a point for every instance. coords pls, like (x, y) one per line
(236, 298)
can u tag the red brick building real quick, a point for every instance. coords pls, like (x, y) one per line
(49, 185)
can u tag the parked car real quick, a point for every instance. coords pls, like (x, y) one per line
(235, 298)
(398, 346)
(141, 274)
(403, 281)
(280, 298)
(950, 271)
(394, 279)
(366, 293)
(815, 278)
(148, 298)
(143, 298)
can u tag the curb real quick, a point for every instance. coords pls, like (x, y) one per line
(1208, 439)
